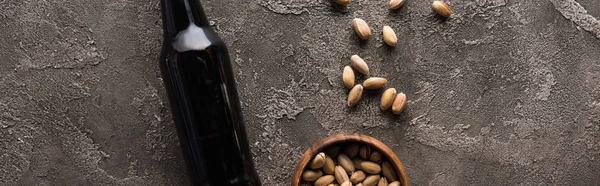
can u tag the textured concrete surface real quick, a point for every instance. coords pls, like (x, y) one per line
(505, 92)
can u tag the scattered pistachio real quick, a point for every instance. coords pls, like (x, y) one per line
(396, 4)
(361, 28)
(441, 8)
(354, 95)
(389, 36)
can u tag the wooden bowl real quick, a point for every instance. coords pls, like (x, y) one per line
(345, 138)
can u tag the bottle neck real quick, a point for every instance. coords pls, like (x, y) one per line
(179, 14)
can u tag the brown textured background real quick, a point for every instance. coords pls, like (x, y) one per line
(505, 92)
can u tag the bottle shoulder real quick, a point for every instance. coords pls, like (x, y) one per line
(193, 38)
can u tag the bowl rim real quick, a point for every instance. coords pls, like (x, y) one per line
(320, 145)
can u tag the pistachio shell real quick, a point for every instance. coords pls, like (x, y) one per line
(346, 163)
(387, 99)
(365, 150)
(348, 77)
(388, 171)
(361, 28)
(329, 167)
(357, 177)
(371, 180)
(352, 150)
(340, 174)
(355, 95)
(370, 167)
(356, 161)
(324, 180)
(311, 175)
(399, 103)
(382, 182)
(318, 161)
(359, 64)
(441, 8)
(389, 36)
(375, 83)
(376, 157)
(396, 4)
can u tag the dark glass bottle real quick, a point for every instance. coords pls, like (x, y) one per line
(199, 80)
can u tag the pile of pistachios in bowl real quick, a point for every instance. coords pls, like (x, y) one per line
(350, 164)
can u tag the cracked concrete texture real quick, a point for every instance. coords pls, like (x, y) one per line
(504, 92)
